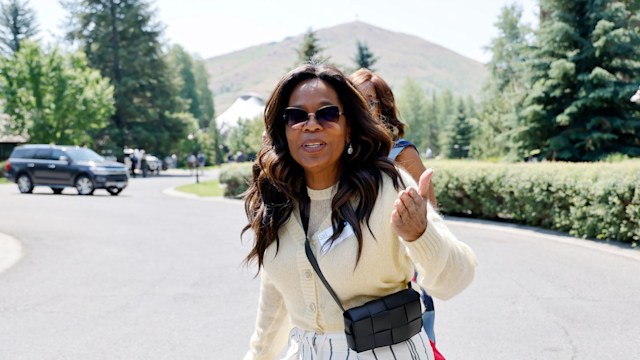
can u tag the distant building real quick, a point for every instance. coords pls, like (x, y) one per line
(8, 141)
(246, 106)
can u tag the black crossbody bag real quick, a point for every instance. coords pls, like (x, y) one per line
(381, 322)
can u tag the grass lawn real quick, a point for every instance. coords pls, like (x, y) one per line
(3, 180)
(204, 188)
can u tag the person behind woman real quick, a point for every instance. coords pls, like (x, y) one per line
(368, 223)
(383, 106)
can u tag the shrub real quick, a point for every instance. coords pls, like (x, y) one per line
(235, 178)
(589, 200)
(2, 165)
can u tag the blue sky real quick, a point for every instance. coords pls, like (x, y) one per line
(215, 27)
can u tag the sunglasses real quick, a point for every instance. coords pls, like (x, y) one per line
(296, 117)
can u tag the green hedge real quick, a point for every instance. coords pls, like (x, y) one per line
(589, 200)
(235, 178)
(2, 165)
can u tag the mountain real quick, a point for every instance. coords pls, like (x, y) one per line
(257, 69)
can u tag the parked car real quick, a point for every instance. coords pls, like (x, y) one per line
(154, 164)
(58, 167)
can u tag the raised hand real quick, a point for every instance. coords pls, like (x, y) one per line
(409, 216)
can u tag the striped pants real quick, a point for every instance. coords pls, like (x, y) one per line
(307, 345)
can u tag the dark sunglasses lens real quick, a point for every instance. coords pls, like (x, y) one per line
(295, 116)
(328, 114)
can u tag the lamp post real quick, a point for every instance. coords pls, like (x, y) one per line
(194, 138)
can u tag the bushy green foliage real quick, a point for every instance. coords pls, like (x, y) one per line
(597, 200)
(54, 97)
(236, 178)
(247, 136)
(2, 172)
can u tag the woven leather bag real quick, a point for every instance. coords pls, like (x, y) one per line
(385, 321)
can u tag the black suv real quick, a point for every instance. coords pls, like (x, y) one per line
(62, 166)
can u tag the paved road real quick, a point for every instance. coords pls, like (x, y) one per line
(145, 275)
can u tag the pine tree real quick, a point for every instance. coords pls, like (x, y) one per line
(583, 69)
(17, 23)
(457, 137)
(121, 39)
(310, 50)
(364, 57)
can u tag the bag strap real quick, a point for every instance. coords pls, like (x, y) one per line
(304, 215)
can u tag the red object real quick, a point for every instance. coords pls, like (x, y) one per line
(7, 167)
(436, 352)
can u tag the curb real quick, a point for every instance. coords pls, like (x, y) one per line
(611, 247)
(10, 251)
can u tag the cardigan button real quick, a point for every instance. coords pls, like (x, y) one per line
(307, 274)
(312, 307)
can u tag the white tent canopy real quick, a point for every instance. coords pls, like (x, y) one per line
(247, 106)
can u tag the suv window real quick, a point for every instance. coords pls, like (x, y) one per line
(56, 154)
(44, 154)
(82, 154)
(23, 153)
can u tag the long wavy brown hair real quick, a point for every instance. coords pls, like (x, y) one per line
(278, 181)
(365, 78)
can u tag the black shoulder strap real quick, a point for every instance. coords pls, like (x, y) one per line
(304, 215)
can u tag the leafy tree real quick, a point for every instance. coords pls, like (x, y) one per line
(310, 50)
(583, 69)
(121, 39)
(205, 95)
(412, 104)
(54, 97)
(364, 57)
(17, 23)
(247, 136)
(181, 63)
(505, 89)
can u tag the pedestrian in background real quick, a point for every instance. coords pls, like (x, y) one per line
(191, 163)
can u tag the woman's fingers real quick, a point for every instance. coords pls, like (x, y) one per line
(409, 215)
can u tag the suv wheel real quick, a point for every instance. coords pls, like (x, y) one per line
(25, 185)
(84, 185)
(57, 191)
(114, 191)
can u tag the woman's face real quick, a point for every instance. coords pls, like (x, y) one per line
(369, 93)
(316, 142)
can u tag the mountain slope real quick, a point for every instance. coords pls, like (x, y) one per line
(401, 56)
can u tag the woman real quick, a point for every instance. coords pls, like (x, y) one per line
(325, 156)
(382, 104)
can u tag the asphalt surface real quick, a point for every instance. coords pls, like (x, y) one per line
(150, 274)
